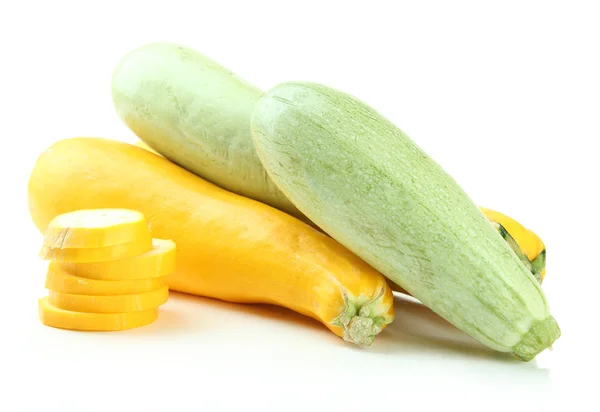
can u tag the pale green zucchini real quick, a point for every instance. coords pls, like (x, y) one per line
(197, 114)
(369, 186)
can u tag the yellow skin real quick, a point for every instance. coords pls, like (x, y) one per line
(143, 145)
(55, 317)
(228, 247)
(97, 228)
(529, 243)
(58, 279)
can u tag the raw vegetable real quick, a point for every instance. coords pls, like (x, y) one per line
(228, 247)
(110, 304)
(525, 243)
(95, 228)
(60, 280)
(156, 263)
(196, 113)
(140, 245)
(365, 183)
(64, 319)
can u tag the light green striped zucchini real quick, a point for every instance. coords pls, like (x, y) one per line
(196, 113)
(369, 186)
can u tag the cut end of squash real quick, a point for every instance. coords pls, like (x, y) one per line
(95, 228)
(55, 317)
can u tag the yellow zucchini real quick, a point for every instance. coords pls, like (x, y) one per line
(127, 250)
(228, 247)
(525, 243)
(95, 228)
(140, 143)
(156, 263)
(60, 280)
(55, 317)
(110, 304)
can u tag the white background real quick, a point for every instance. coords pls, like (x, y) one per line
(505, 95)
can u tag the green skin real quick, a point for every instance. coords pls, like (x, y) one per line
(369, 186)
(197, 114)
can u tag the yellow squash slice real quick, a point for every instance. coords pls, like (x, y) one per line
(95, 228)
(128, 250)
(55, 317)
(110, 304)
(158, 262)
(59, 280)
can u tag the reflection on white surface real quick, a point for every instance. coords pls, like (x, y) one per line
(416, 328)
(200, 343)
(417, 323)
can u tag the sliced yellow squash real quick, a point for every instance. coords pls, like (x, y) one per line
(110, 304)
(95, 228)
(55, 317)
(158, 262)
(59, 280)
(128, 250)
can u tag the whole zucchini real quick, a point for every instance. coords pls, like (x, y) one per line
(197, 114)
(369, 186)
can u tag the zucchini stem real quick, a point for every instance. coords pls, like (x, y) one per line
(540, 336)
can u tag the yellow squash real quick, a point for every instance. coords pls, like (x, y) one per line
(156, 263)
(525, 243)
(110, 304)
(95, 228)
(59, 279)
(55, 317)
(228, 247)
(127, 250)
(143, 145)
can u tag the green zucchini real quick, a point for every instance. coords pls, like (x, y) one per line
(197, 114)
(369, 186)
